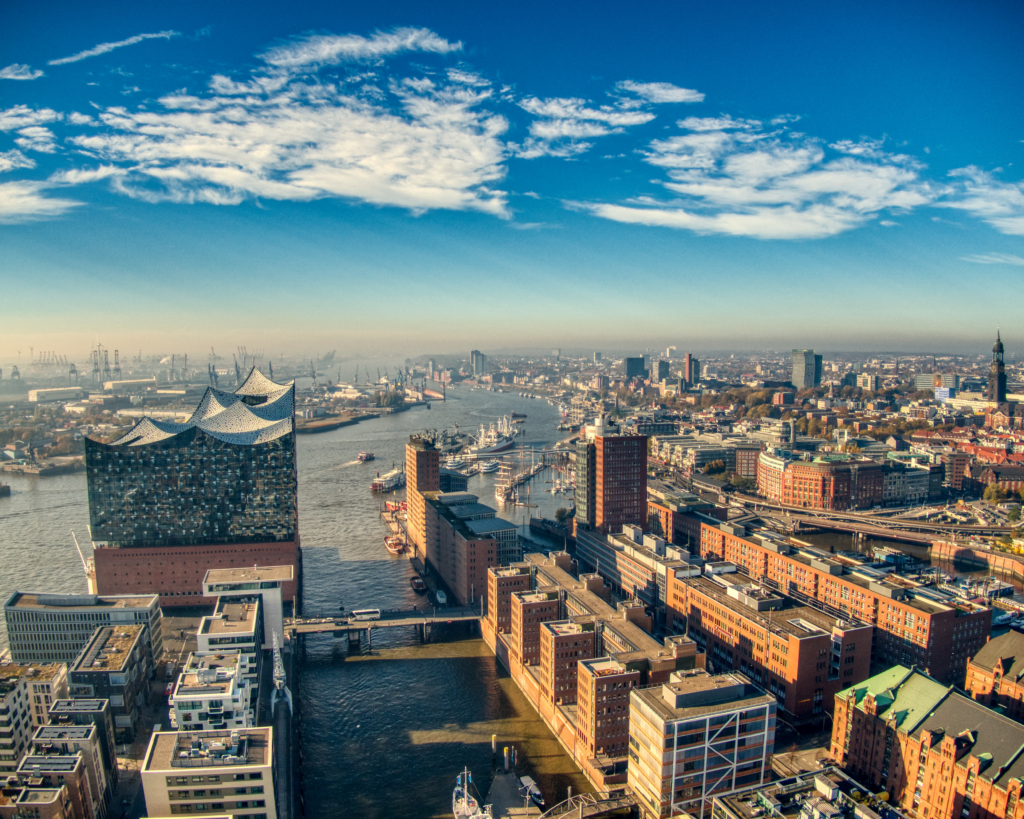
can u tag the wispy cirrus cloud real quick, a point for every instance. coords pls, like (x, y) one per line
(660, 92)
(12, 160)
(332, 49)
(103, 48)
(20, 71)
(994, 258)
(24, 202)
(729, 178)
(999, 204)
(564, 122)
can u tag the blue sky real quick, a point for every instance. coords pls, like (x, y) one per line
(409, 176)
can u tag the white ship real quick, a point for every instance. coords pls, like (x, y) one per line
(464, 804)
(495, 438)
(489, 466)
(389, 481)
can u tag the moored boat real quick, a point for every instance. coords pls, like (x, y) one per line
(394, 544)
(489, 466)
(418, 585)
(529, 787)
(389, 481)
(464, 804)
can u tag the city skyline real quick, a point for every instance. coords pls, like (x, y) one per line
(459, 177)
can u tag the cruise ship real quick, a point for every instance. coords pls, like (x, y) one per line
(497, 437)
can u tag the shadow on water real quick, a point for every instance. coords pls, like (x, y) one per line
(391, 730)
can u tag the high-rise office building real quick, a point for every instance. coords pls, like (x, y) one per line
(169, 501)
(663, 370)
(806, 369)
(422, 474)
(597, 358)
(611, 480)
(634, 367)
(691, 369)
(997, 374)
(478, 362)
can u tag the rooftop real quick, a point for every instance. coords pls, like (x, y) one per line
(208, 674)
(258, 411)
(109, 649)
(82, 706)
(53, 733)
(171, 750)
(72, 602)
(486, 526)
(1009, 648)
(697, 694)
(37, 672)
(50, 763)
(257, 574)
(231, 617)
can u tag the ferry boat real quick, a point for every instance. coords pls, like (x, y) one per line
(365, 456)
(489, 466)
(394, 544)
(454, 463)
(464, 804)
(389, 481)
(418, 585)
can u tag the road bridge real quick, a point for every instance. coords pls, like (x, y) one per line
(389, 619)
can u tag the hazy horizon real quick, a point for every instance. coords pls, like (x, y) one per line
(398, 177)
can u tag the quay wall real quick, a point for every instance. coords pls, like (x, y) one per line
(554, 717)
(1011, 565)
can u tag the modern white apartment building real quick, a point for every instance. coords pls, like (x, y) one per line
(210, 772)
(212, 693)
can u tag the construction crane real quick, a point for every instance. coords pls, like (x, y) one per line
(96, 366)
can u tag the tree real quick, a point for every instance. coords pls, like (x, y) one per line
(561, 514)
(994, 493)
(1014, 515)
(744, 484)
(715, 467)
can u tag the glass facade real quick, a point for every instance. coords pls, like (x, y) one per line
(192, 488)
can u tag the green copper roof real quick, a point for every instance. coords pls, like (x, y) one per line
(901, 694)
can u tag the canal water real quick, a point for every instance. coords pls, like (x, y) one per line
(384, 733)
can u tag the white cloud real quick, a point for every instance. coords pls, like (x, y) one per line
(660, 92)
(79, 119)
(19, 71)
(730, 181)
(722, 123)
(103, 48)
(12, 160)
(36, 138)
(994, 258)
(23, 202)
(21, 116)
(331, 49)
(467, 77)
(1000, 204)
(888, 223)
(418, 146)
(563, 121)
(81, 176)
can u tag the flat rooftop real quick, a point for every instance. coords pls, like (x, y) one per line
(50, 763)
(257, 574)
(78, 706)
(73, 602)
(52, 733)
(209, 674)
(231, 618)
(10, 673)
(109, 649)
(211, 749)
(534, 596)
(702, 684)
(486, 526)
(561, 628)
(603, 667)
(791, 619)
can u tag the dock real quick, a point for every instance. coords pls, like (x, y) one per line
(505, 801)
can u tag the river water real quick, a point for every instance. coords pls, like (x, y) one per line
(384, 732)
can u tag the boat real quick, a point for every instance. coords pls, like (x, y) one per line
(389, 481)
(442, 598)
(489, 466)
(365, 456)
(464, 804)
(518, 414)
(394, 544)
(454, 463)
(418, 585)
(495, 438)
(528, 787)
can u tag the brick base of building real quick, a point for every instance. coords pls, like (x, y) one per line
(176, 572)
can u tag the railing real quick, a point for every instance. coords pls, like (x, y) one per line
(591, 804)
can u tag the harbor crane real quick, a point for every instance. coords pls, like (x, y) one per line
(73, 373)
(117, 366)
